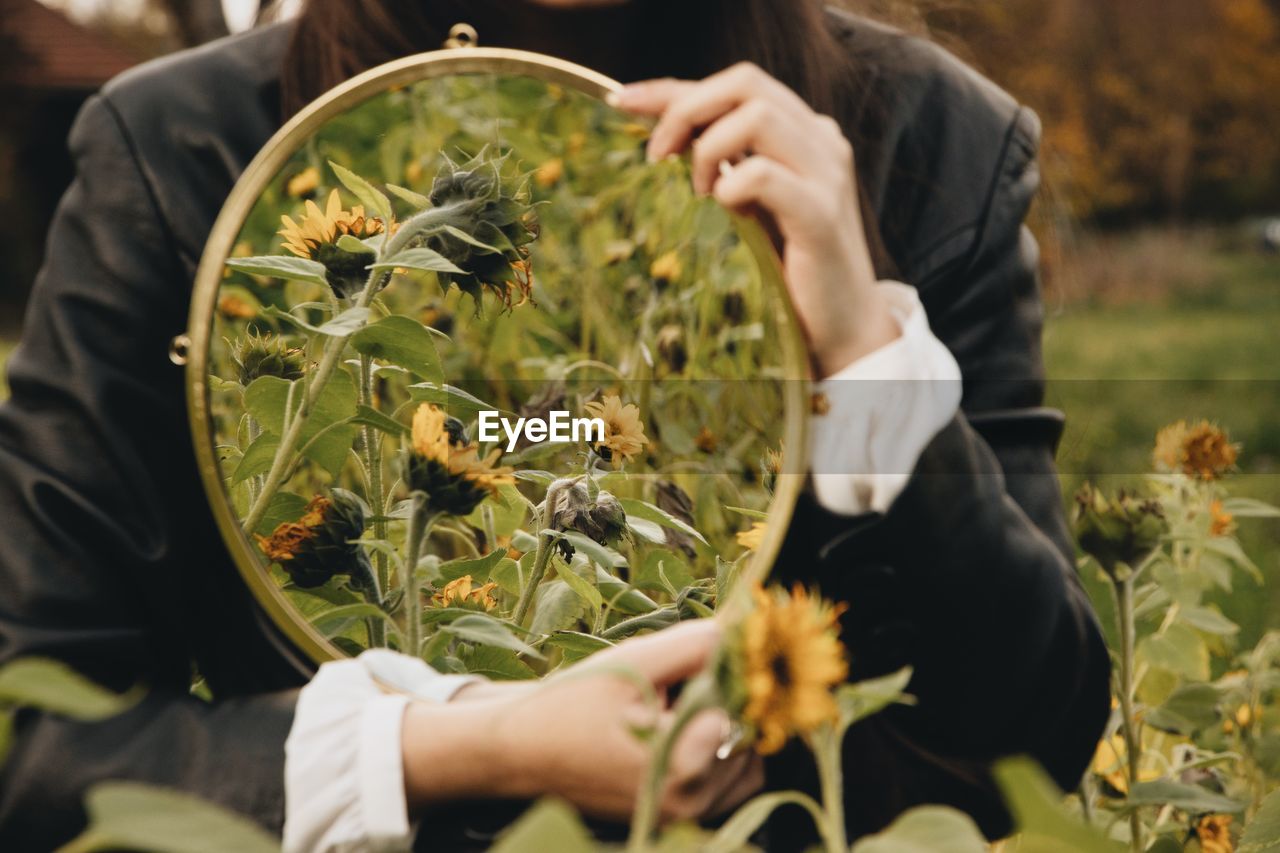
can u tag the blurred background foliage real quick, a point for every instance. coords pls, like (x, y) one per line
(1161, 172)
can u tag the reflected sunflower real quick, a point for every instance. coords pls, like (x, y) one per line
(439, 462)
(792, 660)
(624, 436)
(316, 235)
(1214, 833)
(1201, 450)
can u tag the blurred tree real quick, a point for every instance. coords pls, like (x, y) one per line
(1152, 108)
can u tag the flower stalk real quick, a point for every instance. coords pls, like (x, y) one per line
(420, 521)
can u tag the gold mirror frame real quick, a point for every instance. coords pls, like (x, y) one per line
(266, 166)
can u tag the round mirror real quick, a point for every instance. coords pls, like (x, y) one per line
(471, 379)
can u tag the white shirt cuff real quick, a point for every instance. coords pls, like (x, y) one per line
(344, 768)
(882, 411)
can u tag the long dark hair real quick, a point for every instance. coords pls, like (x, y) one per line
(791, 39)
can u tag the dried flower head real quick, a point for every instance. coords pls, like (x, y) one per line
(1214, 833)
(439, 462)
(1201, 450)
(322, 544)
(494, 223)
(316, 236)
(771, 467)
(462, 592)
(671, 348)
(602, 520)
(1123, 529)
(267, 355)
(624, 436)
(792, 659)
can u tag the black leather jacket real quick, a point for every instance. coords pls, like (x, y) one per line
(110, 561)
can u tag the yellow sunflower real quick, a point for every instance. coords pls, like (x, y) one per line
(624, 433)
(304, 183)
(461, 593)
(792, 660)
(441, 463)
(751, 539)
(1202, 450)
(322, 227)
(666, 267)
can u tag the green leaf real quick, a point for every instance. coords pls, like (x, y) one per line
(1209, 620)
(646, 510)
(265, 399)
(577, 645)
(749, 513)
(622, 596)
(282, 266)
(346, 323)
(418, 200)
(864, 698)
(373, 200)
(647, 530)
(583, 588)
(601, 554)
(548, 825)
(926, 829)
(1036, 805)
(558, 607)
(1229, 547)
(736, 832)
(660, 563)
(133, 816)
(52, 686)
(1179, 650)
(338, 619)
(469, 239)
(1262, 834)
(422, 259)
(1250, 508)
(453, 400)
(478, 569)
(498, 664)
(402, 341)
(257, 459)
(372, 417)
(1190, 708)
(1188, 798)
(284, 506)
(485, 630)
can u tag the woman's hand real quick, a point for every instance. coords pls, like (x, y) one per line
(757, 145)
(573, 736)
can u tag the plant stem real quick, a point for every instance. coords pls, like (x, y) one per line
(329, 361)
(826, 752)
(419, 527)
(699, 695)
(1128, 725)
(543, 555)
(373, 462)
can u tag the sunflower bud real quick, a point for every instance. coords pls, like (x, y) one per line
(323, 544)
(602, 520)
(439, 462)
(770, 468)
(267, 355)
(1121, 530)
(495, 213)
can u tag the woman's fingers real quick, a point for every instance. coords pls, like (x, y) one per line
(755, 127)
(759, 180)
(668, 656)
(686, 106)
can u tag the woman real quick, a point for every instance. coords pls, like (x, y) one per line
(934, 514)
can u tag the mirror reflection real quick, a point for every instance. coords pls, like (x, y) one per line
(487, 387)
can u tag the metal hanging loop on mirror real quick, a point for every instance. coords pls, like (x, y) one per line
(462, 35)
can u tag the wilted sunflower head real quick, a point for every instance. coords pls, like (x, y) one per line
(602, 520)
(493, 224)
(790, 659)
(438, 462)
(267, 355)
(1221, 522)
(1123, 529)
(1202, 450)
(323, 542)
(462, 592)
(316, 237)
(624, 436)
